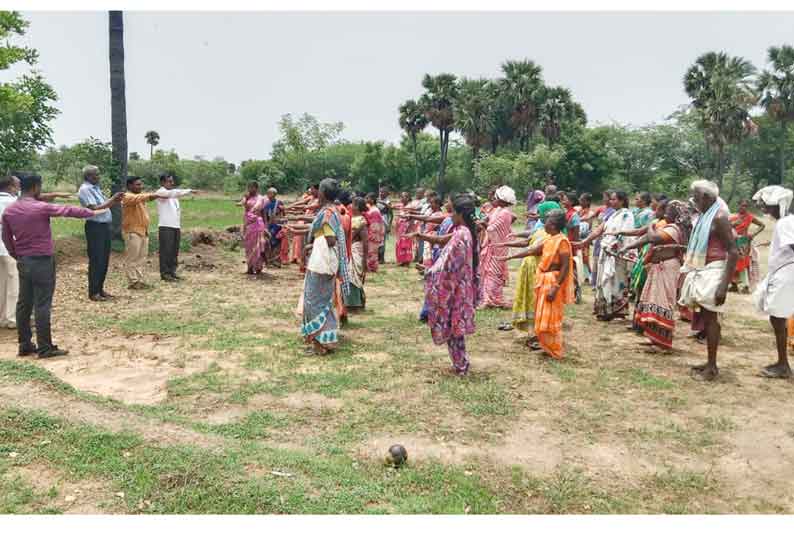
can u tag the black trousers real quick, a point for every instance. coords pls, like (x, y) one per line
(169, 250)
(36, 288)
(97, 240)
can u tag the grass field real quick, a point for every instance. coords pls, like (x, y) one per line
(198, 398)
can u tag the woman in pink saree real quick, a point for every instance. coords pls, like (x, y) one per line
(494, 271)
(254, 230)
(404, 247)
(376, 232)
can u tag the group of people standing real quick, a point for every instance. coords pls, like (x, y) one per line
(27, 273)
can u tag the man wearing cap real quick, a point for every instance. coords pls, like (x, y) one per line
(775, 295)
(493, 270)
(97, 232)
(135, 231)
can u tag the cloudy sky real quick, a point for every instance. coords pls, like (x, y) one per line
(215, 84)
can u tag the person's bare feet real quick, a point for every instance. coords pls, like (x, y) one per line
(777, 370)
(707, 374)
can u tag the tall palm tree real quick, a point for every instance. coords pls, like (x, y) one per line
(776, 88)
(556, 108)
(152, 139)
(722, 95)
(118, 109)
(523, 84)
(413, 121)
(472, 113)
(438, 100)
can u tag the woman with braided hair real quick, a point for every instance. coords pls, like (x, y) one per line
(452, 285)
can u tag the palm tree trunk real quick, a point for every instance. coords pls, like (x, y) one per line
(118, 110)
(151, 152)
(720, 165)
(782, 157)
(442, 158)
(416, 161)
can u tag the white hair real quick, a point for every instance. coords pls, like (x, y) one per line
(272, 189)
(705, 186)
(89, 169)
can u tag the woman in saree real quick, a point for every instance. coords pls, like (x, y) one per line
(534, 198)
(328, 261)
(524, 300)
(376, 229)
(254, 231)
(451, 288)
(436, 242)
(603, 214)
(404, 247)
(273, 213)
(356, 299)
(741, 222)
(655, 312)
(494, 273)
(612, 284)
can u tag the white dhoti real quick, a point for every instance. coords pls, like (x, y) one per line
(700, 287)
(775, 295)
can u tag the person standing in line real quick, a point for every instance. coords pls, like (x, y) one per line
(9, 279)
(775, 295)
(169, 230)
(385, 207)
(27, 236)
(97, 232)
(135, 230)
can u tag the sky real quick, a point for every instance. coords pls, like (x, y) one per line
(216, 84)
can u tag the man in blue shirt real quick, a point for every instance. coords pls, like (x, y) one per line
(97, 232)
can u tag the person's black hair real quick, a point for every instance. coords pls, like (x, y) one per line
(345, 197)
(556, 216)
(587, 196)
(132, 178)
(554, 197)
(163, 177)
(316, 186)
(372, 195)
(660, 197)
(329, 188)
(29, 182)
(437, 200)
(572, 196)
(360, 204)
(622, 196)
(6, 183)
(744, 201)
(645, 197)
(464, 205)
(254, 184)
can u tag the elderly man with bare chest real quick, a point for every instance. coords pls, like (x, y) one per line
(709, 264)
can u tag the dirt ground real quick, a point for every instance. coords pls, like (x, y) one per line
(191, 363)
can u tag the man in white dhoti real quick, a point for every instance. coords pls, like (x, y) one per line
(775, 294)
(710, 261)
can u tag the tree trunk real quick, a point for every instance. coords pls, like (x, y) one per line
(118, 111)
(416, 161)
(151, 152)
(784, 130)
(720, 165)
(442, 158)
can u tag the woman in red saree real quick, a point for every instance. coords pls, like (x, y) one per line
(404, 247)
(741, 222)
(494, 273)
(376, 231)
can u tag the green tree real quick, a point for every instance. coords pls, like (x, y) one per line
(555, 109)
(472, 113)
(152, 139)
(368, 168)
(523, 84)
(776, 88)
(118, 109)
(25, 104)
(134, 156)
(438, 101)
(721, 92)
(413, 121)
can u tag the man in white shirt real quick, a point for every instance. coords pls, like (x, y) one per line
(169, 222)
(775, 295)
(9, 277)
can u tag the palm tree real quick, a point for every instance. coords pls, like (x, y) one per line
(472, 113)
(438, 100)
(556, 107)
(413, 121)
(152, 139)
(722, 96)
(523, 84)
(776, 88)
(118, 109)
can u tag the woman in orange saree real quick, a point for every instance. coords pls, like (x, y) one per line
(553, 285)
(741, 223)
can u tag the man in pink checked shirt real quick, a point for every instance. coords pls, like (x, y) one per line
(28, 238)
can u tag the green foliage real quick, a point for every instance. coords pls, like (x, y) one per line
(368, 168)
(25, 104)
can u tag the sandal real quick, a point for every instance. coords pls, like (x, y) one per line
(505, 326)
